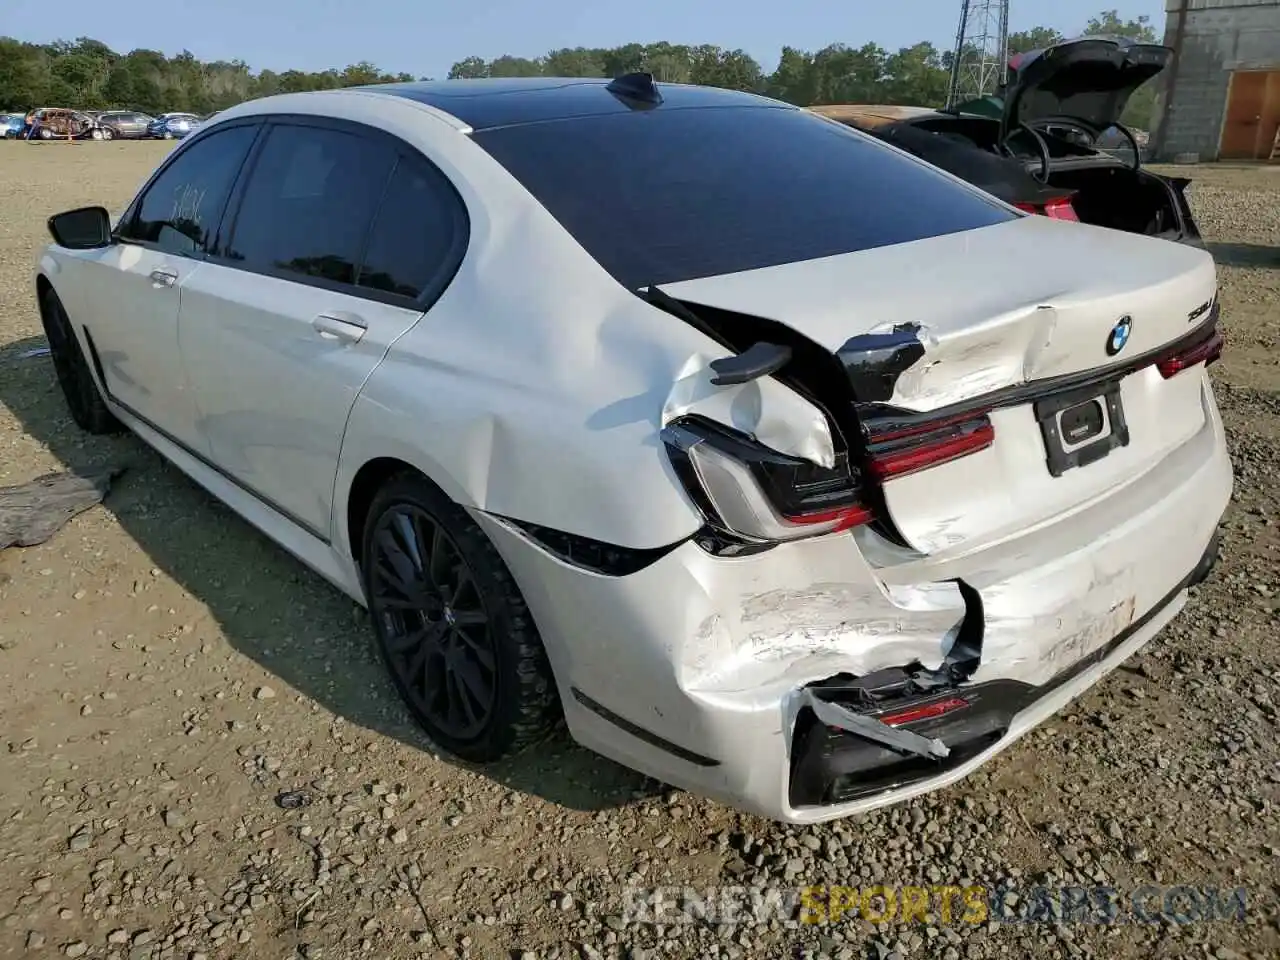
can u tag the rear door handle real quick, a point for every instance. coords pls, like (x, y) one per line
(164, 278)
(345, 327)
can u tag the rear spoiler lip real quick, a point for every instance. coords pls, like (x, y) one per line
(881, 417)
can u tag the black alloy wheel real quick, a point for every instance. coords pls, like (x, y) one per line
(451, 625)
(79, 389)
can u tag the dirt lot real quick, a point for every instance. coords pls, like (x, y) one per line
(165, 673)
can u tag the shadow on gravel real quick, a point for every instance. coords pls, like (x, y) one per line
(270, 607)
(1245, 254)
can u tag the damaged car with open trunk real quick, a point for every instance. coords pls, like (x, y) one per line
(1041, 142)
(678, 412)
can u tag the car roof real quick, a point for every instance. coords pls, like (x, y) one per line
(497, 102)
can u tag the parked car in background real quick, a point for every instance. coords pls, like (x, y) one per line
(172, 126)
(11, 125)
(635, 402)
(59, 123)
(1051, 142)
(125, 125)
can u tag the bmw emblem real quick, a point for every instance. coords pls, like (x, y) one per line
(1119, 335)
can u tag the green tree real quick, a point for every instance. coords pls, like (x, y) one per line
(471, 68)
(1037, 38)
(87, 73)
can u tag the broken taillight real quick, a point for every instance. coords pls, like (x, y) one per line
(928, 711)
(749, 491)
(1205, 351)
(1059, 208)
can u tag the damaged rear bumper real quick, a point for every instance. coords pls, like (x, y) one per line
(834, 765)
(702, 671)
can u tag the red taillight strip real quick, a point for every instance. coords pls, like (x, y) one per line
(925, 712)
(1206, 352)
(844, 518)
(1059, 208)
(900, 431)
(892, 464)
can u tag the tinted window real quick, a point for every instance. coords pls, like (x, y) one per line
(309, 202)
(181, 209)
(666, 195)
(417, 234)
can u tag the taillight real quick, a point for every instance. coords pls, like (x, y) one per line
(759, 495)
(1205, 351)
(928, 711)
(1059, 208)
(896, 448)
(749, 491)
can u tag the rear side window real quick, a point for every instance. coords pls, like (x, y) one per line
(418, 235)
(309, 203)
(663, 196)
(180, 211)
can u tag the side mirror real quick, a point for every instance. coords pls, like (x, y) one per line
(86, 228)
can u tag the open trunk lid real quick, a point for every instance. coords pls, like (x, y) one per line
(998, 323)
(1087, 81)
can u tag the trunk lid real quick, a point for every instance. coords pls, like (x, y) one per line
(1011, 311)
(1087, 81)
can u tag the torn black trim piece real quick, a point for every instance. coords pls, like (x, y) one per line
(640, 733)
(585, 553)
(758, 360)
(874, 361)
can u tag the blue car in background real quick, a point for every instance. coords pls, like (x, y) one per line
(11, 125)
(172, 126)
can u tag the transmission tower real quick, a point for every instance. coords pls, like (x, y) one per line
(982, 50)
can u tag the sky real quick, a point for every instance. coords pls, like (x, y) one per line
(425, 37)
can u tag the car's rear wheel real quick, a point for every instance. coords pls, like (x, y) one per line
(452, 626)
(95, 134)
(84, 400)
(46, 133)
(107, 133)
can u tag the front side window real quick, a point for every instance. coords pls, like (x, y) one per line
(309, 202)
(180, 211)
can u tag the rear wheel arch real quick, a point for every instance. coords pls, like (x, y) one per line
(368, 480)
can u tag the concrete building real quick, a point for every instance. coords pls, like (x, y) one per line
(1221, 97)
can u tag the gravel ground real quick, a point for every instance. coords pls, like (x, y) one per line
(166, 674)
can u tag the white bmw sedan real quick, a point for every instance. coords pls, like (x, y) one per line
(788, 468)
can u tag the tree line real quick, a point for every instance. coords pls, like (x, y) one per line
(87, 74)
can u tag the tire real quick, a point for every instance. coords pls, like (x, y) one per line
(523, 704)
(167, 135)
(95, 134)
(46, 133)
(79, 389)
(108, 133)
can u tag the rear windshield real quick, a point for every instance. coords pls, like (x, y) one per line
(663, 196)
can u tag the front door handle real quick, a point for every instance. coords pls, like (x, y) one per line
(164, 278)
(345, 328)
